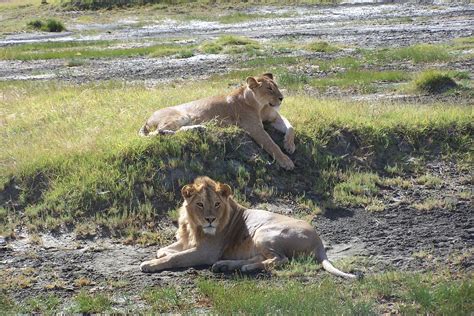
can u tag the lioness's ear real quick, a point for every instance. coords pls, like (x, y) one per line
(224, 190)
(268, 75)
(252, 83)
(188, 190)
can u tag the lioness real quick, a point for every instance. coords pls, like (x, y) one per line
(247, 107)
(214, 229)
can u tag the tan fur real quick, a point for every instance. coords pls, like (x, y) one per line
(248, 107)
(215, 230)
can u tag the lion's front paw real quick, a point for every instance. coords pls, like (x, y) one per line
(160, 254)
(289, 147)
(289, 142)
(286, 163)
(146, 266)
(219, 267)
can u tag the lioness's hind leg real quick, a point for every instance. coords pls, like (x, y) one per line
(265, 264)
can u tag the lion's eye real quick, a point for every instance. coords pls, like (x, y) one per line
(217, 204)
(270, 88)
(199, 204)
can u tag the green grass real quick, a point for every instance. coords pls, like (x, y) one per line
(166, 299)
(322, 47)
(85, 50)
(230, 44)
(429, 181)
(44, 304)
(363, 80)
(408, 293)
(420, 53)
(432, 81)
(91, 303)
(357, 190)
(83, 162)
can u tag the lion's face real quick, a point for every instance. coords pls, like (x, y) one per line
(265, 90)
(207, 204)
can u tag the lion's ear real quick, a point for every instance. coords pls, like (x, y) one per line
(224, 190)
(188, 190)
(252, 83)
(268, 75)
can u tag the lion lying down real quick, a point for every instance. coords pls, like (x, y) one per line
(215, 230)
(246, 107)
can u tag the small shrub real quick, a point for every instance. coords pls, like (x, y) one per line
(35, 24)
(186, 53)
(51, 25)
(434, 82)
(322, 47)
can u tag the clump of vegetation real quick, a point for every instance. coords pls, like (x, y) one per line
(86, 303)
(165, 300)
(430, 204)
(415, 53)
(323, 47)
(362, 80)
(50, 25)
(231, 44)
(432, 81)
(291, 79)
(357, 190)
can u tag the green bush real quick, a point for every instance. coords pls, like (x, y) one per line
(51, 25)
(434, 82)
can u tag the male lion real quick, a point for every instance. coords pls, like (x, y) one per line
(214, 229)
(247, 107)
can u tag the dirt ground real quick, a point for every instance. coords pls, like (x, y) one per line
(399, 237)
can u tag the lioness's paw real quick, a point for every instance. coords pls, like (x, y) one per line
(286, 163)
(146, 266)
(289, 147)
(289, 141)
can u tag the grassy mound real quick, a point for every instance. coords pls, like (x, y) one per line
(84, 163)
(434, 82)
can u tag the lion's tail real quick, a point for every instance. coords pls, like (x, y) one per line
(327, 265)
(144, 131)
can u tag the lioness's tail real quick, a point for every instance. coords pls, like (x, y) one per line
(144, 130)
(322, 257)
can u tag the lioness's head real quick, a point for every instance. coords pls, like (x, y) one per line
(207, 204)
(265, 90)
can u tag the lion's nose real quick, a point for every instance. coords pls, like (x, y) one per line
(210, 219)
(281, 98)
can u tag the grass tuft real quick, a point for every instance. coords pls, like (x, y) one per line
(86, 303)
(432, 81)
(322, 47)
